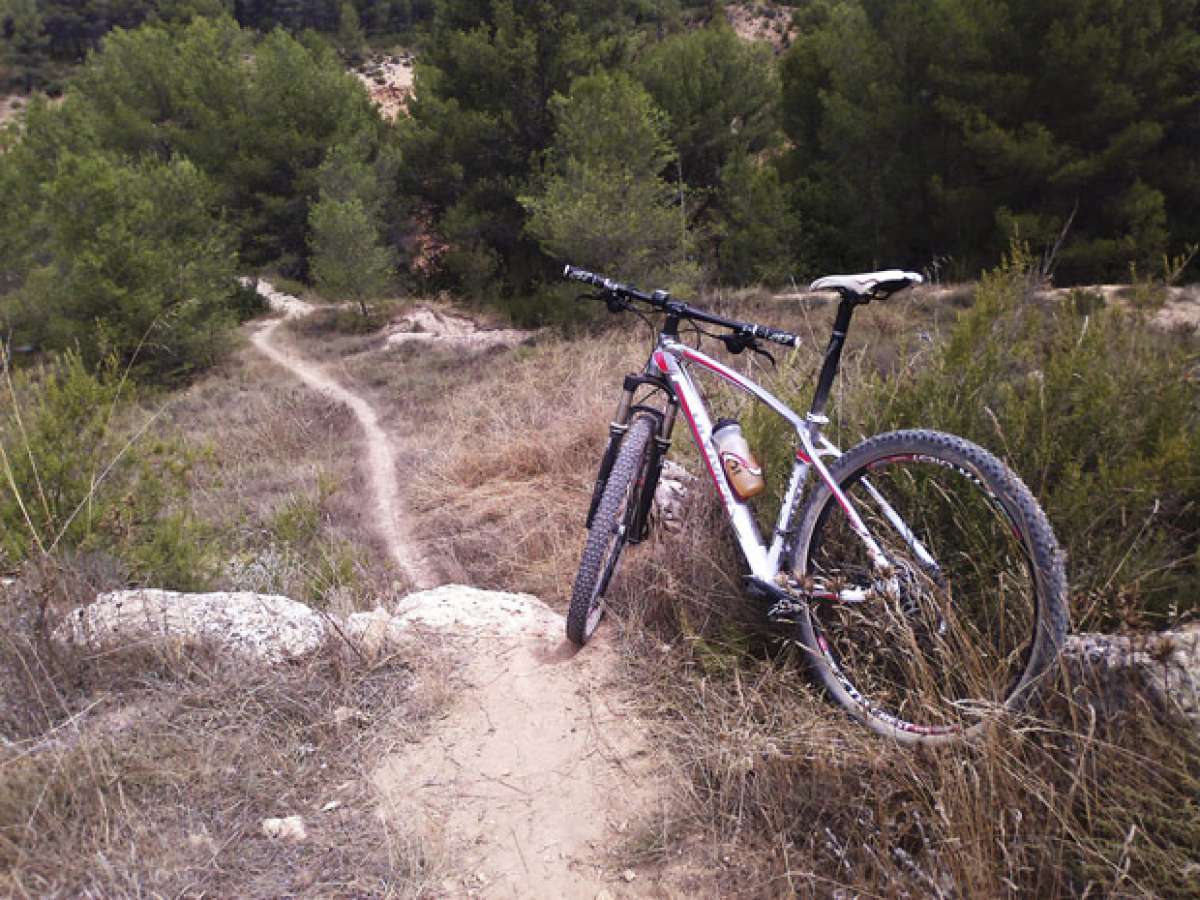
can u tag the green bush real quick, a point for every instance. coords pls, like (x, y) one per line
(75, 477)
(130, 258)
(1099, 412)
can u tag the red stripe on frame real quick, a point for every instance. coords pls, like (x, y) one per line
(687, 414)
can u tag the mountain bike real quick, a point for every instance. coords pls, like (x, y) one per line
(917, 572)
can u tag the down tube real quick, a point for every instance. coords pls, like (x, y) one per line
(744, 527)
(805, 436)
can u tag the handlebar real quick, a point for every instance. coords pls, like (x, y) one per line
(662, 300)
(574, 273)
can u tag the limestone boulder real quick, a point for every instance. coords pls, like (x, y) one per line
(375, 632)
(456, 609)
(263, 628)
(1113, 671)
(672, 491)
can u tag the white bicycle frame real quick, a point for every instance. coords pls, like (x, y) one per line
(671, 359)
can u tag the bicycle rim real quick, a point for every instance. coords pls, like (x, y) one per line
(941, 645)
(620, 537)
(609, 533)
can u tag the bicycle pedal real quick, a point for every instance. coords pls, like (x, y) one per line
(785, 612)
(788, 604)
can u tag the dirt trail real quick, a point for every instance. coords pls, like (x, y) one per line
(537, 771)
(380, 460)
(532, 781)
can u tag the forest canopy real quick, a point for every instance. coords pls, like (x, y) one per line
(930, 135)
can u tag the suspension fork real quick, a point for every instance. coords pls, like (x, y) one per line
(640, 526)
(658, 450)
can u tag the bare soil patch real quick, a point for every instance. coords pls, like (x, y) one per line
(389, 81)
(761, 22)
(429, 325)
(11, 106)
(537, 773)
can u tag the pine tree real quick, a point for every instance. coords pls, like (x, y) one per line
(25, 42)
(948, 128)
(481, 116)
(720, 94)
(351, 39)
(348, 260)
(756, 231)
(603, 203)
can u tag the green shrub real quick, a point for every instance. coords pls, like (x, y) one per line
(335, 570)
(74, 476)
(1097, 411)
(131, 258)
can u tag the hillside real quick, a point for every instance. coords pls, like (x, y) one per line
(677, 756)
(299, 426)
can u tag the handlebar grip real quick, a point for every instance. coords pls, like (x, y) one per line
(576, 274)
(607, 284)
(779, 337)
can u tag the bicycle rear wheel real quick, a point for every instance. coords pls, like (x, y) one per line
(973, 609)
(609, 532)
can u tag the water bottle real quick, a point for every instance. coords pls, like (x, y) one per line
(737, 459)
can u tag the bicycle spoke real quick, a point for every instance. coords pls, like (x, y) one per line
(942, 640)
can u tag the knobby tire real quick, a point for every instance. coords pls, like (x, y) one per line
(607, 536)
(934, 657)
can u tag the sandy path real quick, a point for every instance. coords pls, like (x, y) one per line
(388, 508)
(537, 771)
(537, 774)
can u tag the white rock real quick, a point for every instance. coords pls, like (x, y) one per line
(457, 608)
(672, 490)
(258, 627)
(289, 828)
(427, 325)
(375, 632)
(277, 300)
(1108, 670)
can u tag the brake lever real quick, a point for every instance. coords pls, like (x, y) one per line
(616, 304)
(736, 343)
(759, 350)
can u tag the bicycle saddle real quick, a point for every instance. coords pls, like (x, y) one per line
(875, 284)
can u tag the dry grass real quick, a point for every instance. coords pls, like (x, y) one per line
(502, 491)
(276, 478)
(149, 774)
(779, 794)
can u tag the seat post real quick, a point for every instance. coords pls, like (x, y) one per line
(833, 354)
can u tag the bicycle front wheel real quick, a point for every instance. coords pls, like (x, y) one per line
(610, 530)
(968, 613)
